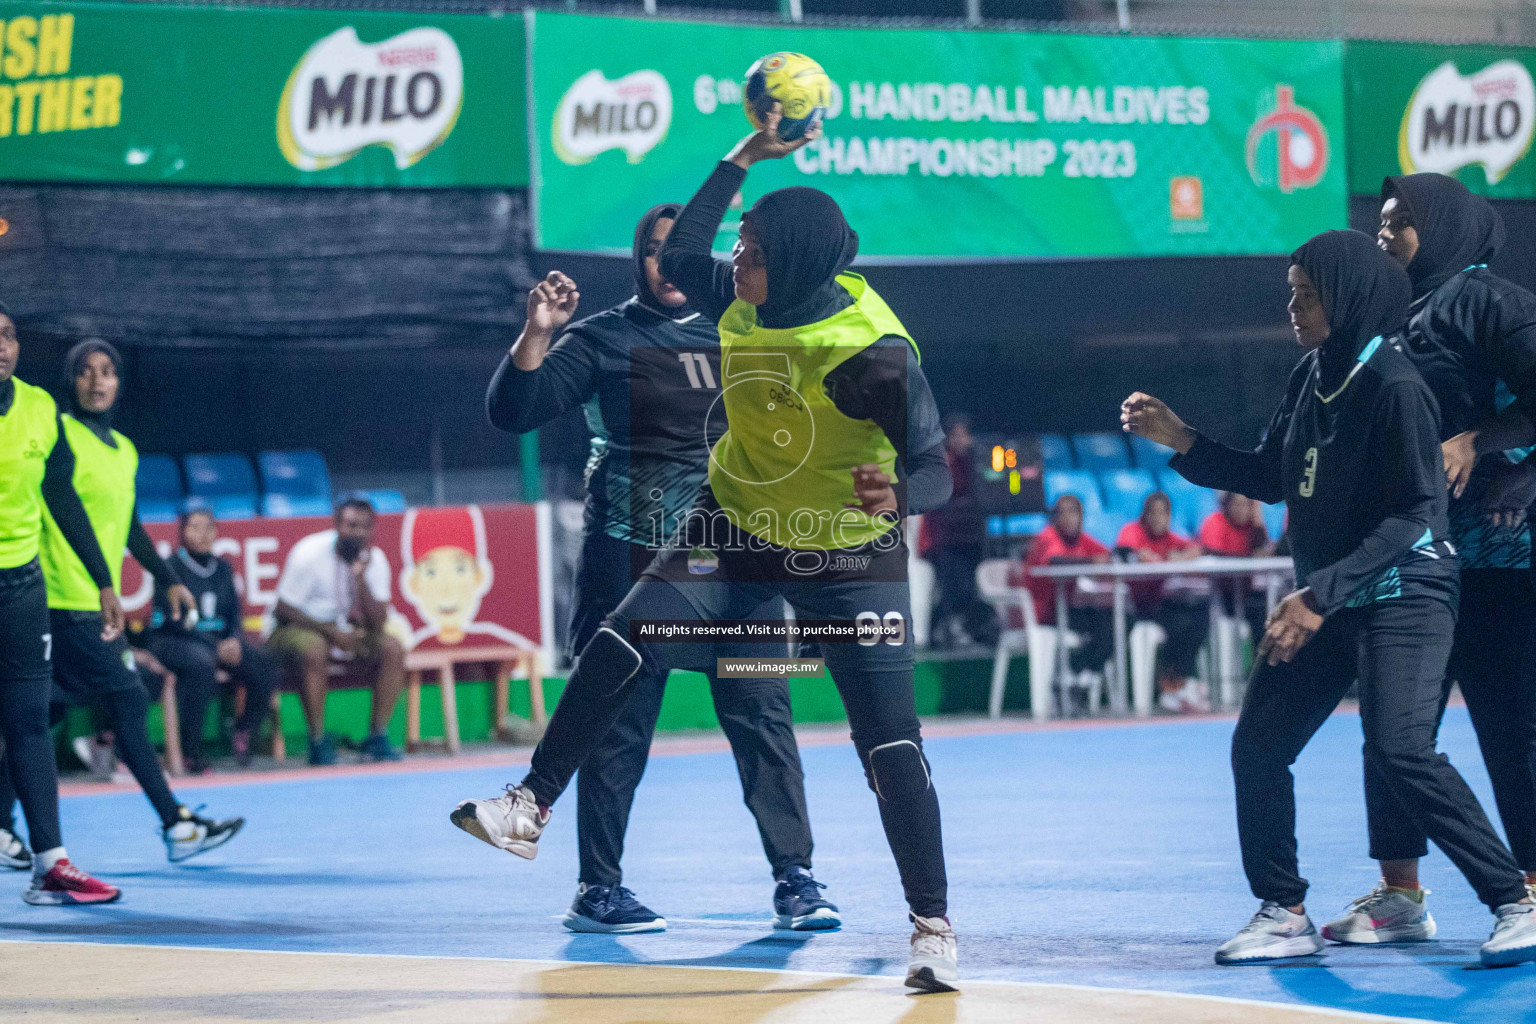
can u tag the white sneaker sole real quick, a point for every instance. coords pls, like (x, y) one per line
(15, 863)
(1421, 931)
(1508, 957)
(933, 977)
(581, 923)
(820, 920)
(1301, 945)
(467, 817)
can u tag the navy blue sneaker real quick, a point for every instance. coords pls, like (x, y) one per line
(378, 748)
(798, 904)
(322, 751)
(612, 910)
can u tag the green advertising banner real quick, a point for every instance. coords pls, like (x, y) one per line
(1468, 111)
(260, 96)
(952, 145)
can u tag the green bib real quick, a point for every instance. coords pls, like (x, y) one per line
(104, 479)
(28, 433)
(783, 470)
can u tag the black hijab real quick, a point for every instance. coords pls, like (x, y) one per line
(1363, 290)
(7, 386)
(664, 211)
(807, 242)
(74, 361)
(1457, 228)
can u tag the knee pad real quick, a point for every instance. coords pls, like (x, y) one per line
(897, 770)
(609, 659)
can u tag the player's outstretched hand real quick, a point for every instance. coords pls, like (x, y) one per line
(551, 304)
(872, 488)
(1291, 625)
(1510, 493)
(1149, 417)
(1460, 456)
(766, 144)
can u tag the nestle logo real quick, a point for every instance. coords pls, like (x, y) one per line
(408, 56)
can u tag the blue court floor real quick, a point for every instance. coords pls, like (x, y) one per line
(1102, 856)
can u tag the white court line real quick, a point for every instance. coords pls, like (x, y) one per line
(1328, 1011)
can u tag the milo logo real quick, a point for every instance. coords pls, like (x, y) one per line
(343, 95)
(1455, 120)
(595, 115)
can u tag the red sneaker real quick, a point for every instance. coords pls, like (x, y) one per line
(66, 885)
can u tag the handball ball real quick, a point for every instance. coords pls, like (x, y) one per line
(797, 83)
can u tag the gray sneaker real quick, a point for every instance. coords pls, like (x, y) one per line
(511, 822)
(1274, 933)
(1514, 936)
(13, 852)
(932, 966)
(1383, 915)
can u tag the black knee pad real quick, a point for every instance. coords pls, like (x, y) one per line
(609, 659)
(897, 770)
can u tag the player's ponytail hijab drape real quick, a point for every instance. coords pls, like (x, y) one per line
(806, 242)
(1363, 290)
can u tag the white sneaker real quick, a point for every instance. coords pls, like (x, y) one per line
(193, 834)
(511, 822)
(934, 955)
(1274, 933)
(1383, 915)
(1194, 698)
(13, 852)
(1514, 936)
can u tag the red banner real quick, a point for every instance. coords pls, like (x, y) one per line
(460, 575)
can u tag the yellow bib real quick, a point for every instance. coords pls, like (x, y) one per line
(28, 433)
(783, 469)
(104, 479)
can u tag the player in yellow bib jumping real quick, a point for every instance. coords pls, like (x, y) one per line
(833, 437)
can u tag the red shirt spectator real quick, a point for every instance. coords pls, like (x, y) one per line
(1062, 542)
(1153, 547)
(1236, 530)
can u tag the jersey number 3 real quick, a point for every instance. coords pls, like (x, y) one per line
(1309, 475)
(699, 373)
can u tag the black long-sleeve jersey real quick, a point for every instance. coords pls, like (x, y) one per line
(1361, 472)
(213, 594)
(1473, 338)
(649, 387)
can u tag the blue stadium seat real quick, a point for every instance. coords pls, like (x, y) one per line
(1056, 451)
(1149, 454)
(1026, 524)
(1274, 519)
(386, 501)
(1192, 504)
(225, 484)
(1104, 526)
(1099, 452)
(1073, 481)
(294, 483)
(158, 489)
(1125, 490)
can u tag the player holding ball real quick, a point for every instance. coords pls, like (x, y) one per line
(833, 437)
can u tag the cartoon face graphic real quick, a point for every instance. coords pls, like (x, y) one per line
(446, 572)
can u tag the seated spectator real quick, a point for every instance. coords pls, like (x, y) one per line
(1180, 605)
(1236, 530)
(332, 605)
(1063, 542)
(200, 650)
(951, 538)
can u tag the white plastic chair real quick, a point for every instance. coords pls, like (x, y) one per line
(1034, 639)
(1146, 638)
(1225, 651)
(921, 576)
